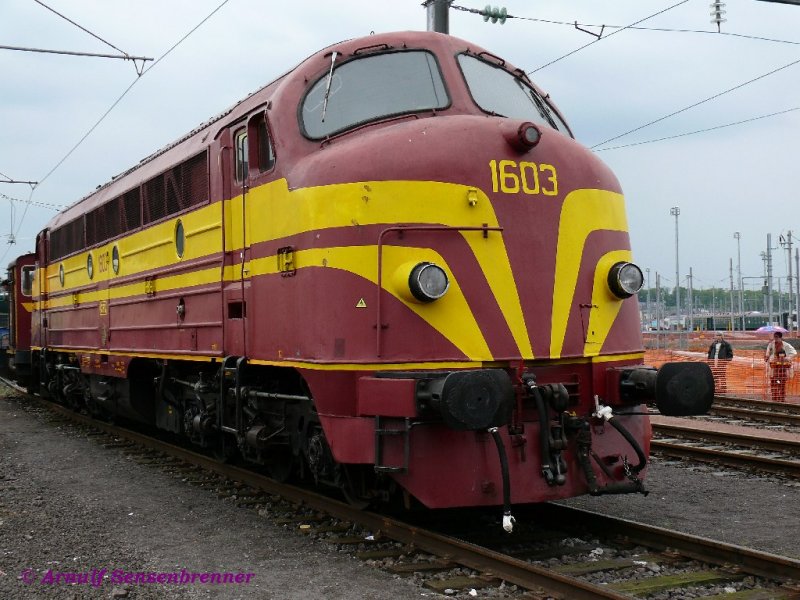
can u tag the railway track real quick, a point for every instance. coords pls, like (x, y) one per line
(777, 413)
(586, 556)
(757, 443)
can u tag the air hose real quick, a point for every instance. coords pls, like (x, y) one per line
(508, 520)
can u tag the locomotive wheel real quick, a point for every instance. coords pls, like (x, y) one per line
(281, 467)
(350, 479)
(224, 450)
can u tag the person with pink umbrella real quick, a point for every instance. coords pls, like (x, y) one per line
(778, 357)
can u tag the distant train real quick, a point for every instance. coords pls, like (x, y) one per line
(15, 337)
(752, 321)
(392, 271)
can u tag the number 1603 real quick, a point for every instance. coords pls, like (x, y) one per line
(511, 177)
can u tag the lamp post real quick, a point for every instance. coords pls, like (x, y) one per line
(737, 236)
(649, 316)
(675, 211)
(764, 286)
(787, 242)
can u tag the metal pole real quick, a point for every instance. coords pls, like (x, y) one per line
(764, 283)
(737, 236)
(769, 277)
(732, 322)
(791, 300)
(675, 211)
(438, 15)
(714, 307)
(690, 301)
(797, 295)
(658, 311)
(649, 314)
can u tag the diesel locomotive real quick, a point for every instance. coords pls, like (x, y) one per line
(15, 345)
(392, 271)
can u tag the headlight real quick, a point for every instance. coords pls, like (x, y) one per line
(521, 136)
(625, 279)
(428, 282)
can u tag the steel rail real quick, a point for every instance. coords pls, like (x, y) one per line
(787, 407)
(700, 548)
(484, 560)
(515, 571)
(751, 440)
(780, 413)
(739, 412)
(777, 466)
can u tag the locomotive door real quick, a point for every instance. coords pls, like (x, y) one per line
(237, 242)
(107, 265)
(40, 289)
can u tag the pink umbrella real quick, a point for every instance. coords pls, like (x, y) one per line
(771, 329)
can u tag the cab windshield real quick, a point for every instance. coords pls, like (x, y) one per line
(502, 93)
(372, 88)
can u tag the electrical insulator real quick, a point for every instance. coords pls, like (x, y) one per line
(717, 10)
(495, 14)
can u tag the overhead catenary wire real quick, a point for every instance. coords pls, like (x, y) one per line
(39, 2)
(577, 25)
(47, 205)
(125, 55)
(105, 114)
(12, 180)
(568, 54)
(75, 53)
(707, 129)
(128, 89)
(635, 26)
(684, 109)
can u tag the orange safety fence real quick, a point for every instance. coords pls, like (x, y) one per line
(747, 375)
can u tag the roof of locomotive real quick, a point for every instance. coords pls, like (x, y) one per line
(306, 73)
(23, 260)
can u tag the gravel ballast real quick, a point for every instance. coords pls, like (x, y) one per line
(70, 506)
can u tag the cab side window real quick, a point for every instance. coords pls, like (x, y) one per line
(262, 154)
(26, 285)
(240, 138)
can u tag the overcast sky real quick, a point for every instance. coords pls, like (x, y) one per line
(743, 178)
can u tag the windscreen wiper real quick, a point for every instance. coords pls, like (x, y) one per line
(328, 85)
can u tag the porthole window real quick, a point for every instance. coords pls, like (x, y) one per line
(179, 239)
(61, 274)
(89, 266)
(115, 260)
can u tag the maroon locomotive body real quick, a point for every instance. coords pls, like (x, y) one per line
(16, 347)
(392, 270)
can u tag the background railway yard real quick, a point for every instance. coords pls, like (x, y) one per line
(74, 498)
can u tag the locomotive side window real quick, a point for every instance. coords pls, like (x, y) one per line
(182, 186)
(266, 154)
(68, 238)
(241, 155)
(500, 92)
(131, 202)
(261, 154)
(26, 285)
(372, 88)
